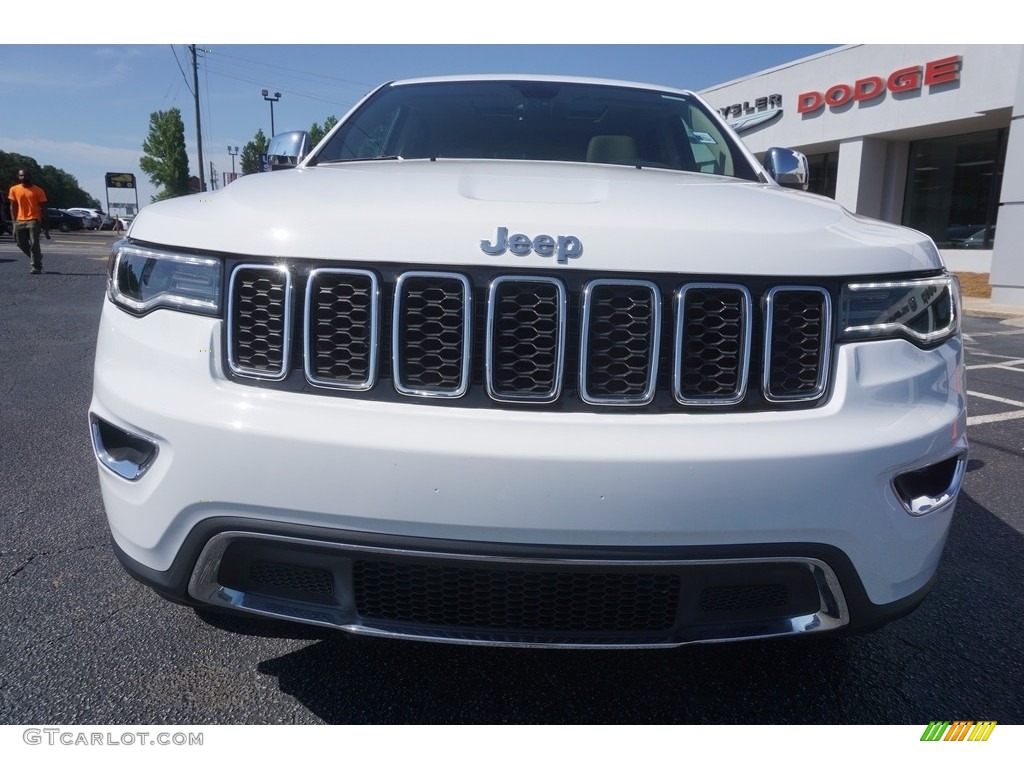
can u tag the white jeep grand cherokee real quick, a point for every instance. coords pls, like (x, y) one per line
(531, 361)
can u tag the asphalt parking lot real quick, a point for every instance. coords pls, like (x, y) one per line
(995, 349)
(84, 643)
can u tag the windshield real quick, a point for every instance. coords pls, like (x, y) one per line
(528, 120)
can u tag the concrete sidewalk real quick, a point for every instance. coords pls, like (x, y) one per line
(974, 307)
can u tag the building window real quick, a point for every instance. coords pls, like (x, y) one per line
(953, 188)
(823, 169)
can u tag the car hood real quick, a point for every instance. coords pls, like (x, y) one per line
(625, 219)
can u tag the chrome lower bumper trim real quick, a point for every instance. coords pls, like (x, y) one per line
(128, 455)
(832, 612)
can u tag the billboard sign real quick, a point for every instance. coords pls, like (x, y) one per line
(121, 180)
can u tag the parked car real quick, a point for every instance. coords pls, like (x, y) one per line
(979, 239)
(968, 236)
(126, 221)
(87, 218)
(58, 218)
(571, 368)
(93, 216)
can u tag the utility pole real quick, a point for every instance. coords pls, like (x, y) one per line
(199, 131)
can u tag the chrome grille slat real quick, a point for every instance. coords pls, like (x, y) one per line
(621, 331)
(416, 331)
(342, 328)
(259, 321)
(712, 352)
(526, 325)
(431, 330)
(798, 322)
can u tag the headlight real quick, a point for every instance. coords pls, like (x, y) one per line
(142, 280)
(925, 311)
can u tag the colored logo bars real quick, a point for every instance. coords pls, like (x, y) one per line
(958, 730)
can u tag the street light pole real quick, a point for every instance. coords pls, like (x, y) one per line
(271, 99)
(233, 151)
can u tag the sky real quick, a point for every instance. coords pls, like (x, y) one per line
(77, 93)
(85, 108)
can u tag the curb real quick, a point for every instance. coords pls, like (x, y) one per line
(983, 308)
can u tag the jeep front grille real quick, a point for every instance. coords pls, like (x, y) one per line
(570, 342)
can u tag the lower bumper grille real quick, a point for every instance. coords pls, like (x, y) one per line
(502, 600)
(465, 598)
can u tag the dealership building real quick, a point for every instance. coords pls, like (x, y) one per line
(930, 136)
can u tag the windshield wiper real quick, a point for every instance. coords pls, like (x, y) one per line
(361, 159)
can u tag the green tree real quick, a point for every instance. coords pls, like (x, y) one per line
(10, 162)
(165, 161)
(62, 189)
(251, 152)
(316, 132)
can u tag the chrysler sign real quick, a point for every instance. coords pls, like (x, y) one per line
(903, 80)
(762, 104)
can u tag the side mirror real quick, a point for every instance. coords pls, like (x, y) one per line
(788, 167)
(287, 150)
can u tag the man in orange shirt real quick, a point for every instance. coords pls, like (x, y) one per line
(28, 213)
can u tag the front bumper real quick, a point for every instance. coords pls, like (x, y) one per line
(811, 485)
(474, 593)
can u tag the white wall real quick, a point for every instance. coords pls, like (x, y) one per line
(985, 90)
(861, 175)
(1007, 275)
(872, 135)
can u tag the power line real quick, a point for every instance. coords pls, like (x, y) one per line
(283, 78)
(291, 91)
(217, 64)
(180, 69)
(218, 54)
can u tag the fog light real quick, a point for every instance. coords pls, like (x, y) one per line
(930, 488)
(123, 453)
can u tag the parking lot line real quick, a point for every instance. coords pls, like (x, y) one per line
(973, 421)
(979, 334)
(1003, 400)
(1007, 364)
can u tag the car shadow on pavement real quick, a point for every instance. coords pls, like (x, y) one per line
(957, 653)
(255, 626)
(354, 680)
(70, 274)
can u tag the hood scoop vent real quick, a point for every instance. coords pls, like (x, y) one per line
(532, 189)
